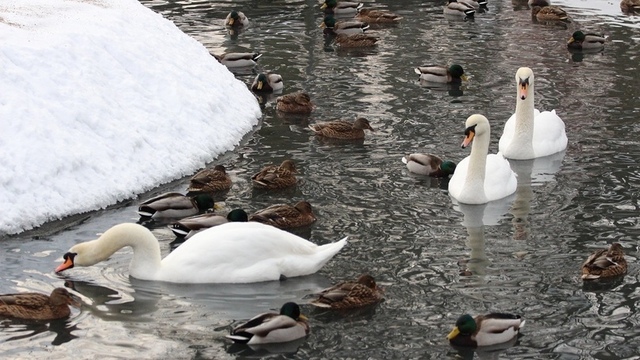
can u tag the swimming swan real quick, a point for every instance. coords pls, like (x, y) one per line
(229, 253)
(480, 178)
(528, 133)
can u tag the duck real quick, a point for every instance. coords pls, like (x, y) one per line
(485, 330)
(581, 41)
(192, 225)
(605, 263)
(174, 205)
(541, 3)
(630, 6)
(375, 16)
(295, 103)
(441, 74)
(235, 252)
(342, 8)
(268, 328)
(209, 181)
(549, 13)
(455, 8)
(284, 216)
(236, 19)
(341, 129)
(476, 4)
(345, 41)
(352, 27)
(36, 306)
(237, 59)
(276, 177)
(529, 133)
(267, 83)
(428, 164)
(480, 178)
(350, 294)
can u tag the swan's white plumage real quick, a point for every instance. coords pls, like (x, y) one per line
(229, 253)
(529, 133)
(480, 178)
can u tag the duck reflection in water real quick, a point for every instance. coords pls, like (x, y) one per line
(63, 329)
(492, 352)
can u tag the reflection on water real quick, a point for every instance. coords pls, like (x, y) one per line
(436, 259)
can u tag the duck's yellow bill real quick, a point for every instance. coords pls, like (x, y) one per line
(230, 22)
(259, 86)
(453, 333)
(464, 77)
(324, 6)
(571, 40)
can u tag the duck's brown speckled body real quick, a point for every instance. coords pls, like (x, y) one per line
(36, 306)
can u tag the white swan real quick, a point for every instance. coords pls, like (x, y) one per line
(528, 133)
(480, 178)
(228, 253)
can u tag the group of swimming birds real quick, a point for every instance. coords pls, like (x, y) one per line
(213, 243)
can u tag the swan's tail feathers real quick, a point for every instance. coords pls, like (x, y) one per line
(329, 250)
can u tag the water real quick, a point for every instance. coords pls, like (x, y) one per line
(523, 253)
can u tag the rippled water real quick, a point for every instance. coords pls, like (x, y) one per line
(524, 253)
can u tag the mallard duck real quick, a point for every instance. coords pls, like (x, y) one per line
(477, 5)
(485, 330)
(441, 74)
(480, 178)
(351, 27)
(236, 60)
(341, 129)
(455, 8)
(539, 3)
(36, 306)
(342, 8)
(582, 41)
(350, 294)
(276, 177)
(267, 328)
(285, 216)
(605, 263)
(354, 41)
(296, 103)
(172, 204)
(209, 181)
(528, 133)
(192, 225)
(630, 6)
(267, 83)
(373, 16)
(430, 165)
(236, 19)
(549, 13)
(235, 252)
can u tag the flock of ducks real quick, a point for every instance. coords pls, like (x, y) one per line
(270, 253)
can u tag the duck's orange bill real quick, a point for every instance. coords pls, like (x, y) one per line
(68, 263)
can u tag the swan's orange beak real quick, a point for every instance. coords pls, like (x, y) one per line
(67, 264)
(468, 139)
(523, 91)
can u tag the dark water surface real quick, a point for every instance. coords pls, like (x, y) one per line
(524, 253)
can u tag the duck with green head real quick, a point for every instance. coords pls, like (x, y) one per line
(459, 9)
(428, 164)
(172, 204)
(341, 8)
(236, 19)
(441, 74)
(192, 225)
(268, 328)
(581, 41)
(333, 27)
(267, 83)
(485, 330)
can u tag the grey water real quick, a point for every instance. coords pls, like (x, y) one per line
(436, 259)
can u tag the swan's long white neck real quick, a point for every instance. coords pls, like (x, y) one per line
(477, 164)
(523, 136)
(146, 251)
